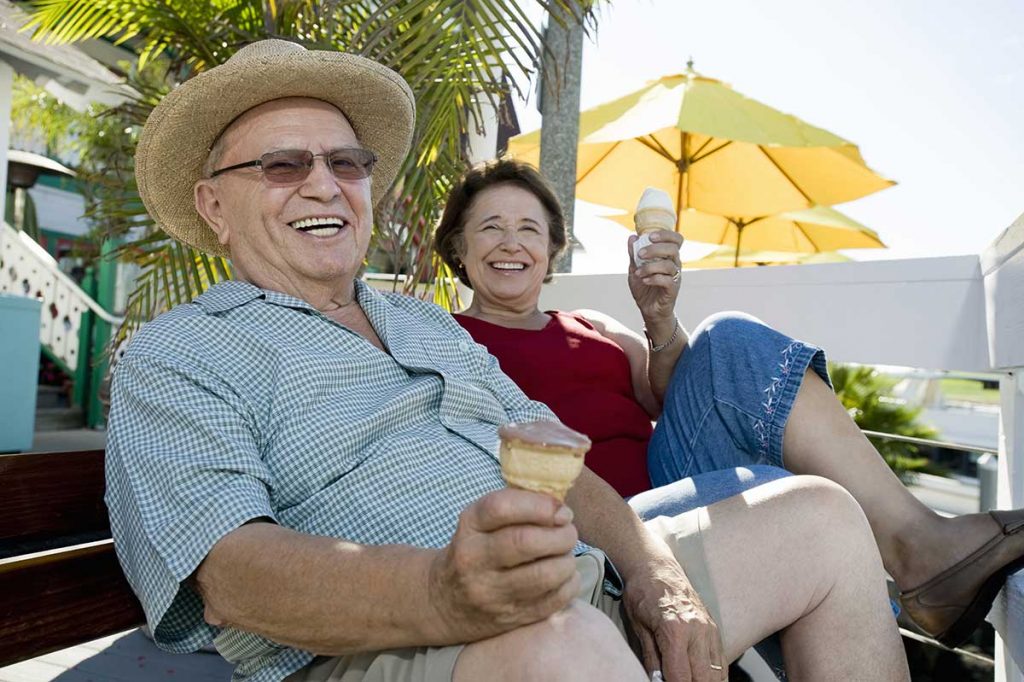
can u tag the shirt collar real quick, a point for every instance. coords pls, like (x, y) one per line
(234, 293)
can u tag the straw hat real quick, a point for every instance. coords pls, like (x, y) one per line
(177, 137)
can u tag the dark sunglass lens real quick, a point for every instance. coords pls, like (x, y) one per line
(287, 166)
(352, 164)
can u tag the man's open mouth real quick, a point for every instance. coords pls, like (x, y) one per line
(320, 227)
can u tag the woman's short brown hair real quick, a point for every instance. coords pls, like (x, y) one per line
(448, 240)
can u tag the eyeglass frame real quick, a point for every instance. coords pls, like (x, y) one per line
(259, 163)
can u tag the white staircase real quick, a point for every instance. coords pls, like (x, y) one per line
(26, 269)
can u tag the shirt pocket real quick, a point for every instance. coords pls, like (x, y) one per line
(459, 358)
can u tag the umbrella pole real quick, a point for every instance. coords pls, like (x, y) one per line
(739, 238)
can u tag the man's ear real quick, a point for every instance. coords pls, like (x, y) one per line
(211, 209)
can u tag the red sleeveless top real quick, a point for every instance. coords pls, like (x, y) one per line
(584, 378)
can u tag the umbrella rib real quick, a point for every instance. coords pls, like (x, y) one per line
(701, 148)
(800, 227)
(786, 175)
(652, 143)
(697, 158)
(725, 230)
(598, 162)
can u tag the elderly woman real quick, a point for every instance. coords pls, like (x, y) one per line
(733, 393)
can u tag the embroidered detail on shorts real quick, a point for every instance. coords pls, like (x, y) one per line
(772, 396)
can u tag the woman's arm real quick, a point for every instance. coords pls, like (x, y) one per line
(655, 288)
(650, 372)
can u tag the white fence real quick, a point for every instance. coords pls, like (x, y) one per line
(963, 313)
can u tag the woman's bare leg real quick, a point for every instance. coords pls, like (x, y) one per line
(797, 555)
(915, 542)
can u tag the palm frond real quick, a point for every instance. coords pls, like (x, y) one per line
(453, 53)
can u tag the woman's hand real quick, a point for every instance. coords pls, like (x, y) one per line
(655, 285)
(676, 632)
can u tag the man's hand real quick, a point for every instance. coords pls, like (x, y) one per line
(509, 564)
(676, 632)
(655, 286)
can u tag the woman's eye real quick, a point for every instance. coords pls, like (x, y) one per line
(530, 228)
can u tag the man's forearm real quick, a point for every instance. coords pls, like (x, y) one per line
(604, 520)
(319, 594)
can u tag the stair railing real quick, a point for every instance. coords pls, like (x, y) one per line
(65, 330)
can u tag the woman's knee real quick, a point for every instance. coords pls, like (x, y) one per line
(728, 326)
(730, 332)
(725, 335)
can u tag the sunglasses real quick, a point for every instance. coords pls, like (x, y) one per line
(291, 166)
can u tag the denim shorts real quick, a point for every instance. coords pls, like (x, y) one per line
(724, 416)
(725, 413)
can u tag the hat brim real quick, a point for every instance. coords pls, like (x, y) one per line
(179, 133)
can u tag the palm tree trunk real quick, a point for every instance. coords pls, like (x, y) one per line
(560, 108)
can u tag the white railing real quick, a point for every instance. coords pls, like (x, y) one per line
(963, 313)
(27, 269)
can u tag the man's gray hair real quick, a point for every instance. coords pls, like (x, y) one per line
(215, 155)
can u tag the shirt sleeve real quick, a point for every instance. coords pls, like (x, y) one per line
(183, 469)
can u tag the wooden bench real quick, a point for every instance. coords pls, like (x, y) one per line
(60, 583)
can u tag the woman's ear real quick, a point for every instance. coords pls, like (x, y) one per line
(210, 208)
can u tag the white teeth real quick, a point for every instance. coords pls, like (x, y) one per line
(508, 266)
(313, 222)
(324, 231)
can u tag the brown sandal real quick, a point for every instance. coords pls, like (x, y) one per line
(950, 606)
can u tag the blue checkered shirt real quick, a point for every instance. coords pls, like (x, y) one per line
(249, 403)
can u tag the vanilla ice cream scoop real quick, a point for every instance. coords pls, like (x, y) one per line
(543, 456)
(654, 211)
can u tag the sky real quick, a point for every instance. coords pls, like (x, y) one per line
(932, 91)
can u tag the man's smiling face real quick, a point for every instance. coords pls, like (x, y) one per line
(295, 236)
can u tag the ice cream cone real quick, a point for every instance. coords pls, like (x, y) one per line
(543, 456)
(654, 211)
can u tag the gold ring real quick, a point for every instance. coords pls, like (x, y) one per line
(675, 277)
(715, 667)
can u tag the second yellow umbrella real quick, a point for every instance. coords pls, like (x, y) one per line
(725, 257)
(810, 230)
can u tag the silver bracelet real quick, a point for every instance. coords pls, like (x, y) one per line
(662, 346)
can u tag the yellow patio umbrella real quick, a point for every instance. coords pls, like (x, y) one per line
(725, 257)
(710, 148)
(811, 230)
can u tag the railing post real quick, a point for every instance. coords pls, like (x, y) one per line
(1011, 440)
(106, 278)
(83, 371)
(1011, 495)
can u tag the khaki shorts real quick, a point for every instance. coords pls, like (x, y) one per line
(436, 664)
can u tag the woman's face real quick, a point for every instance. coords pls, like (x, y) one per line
(506, 247)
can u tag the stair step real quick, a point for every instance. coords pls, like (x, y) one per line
(51, 396)
(59, 418)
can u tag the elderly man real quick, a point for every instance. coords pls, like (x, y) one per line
(302, 470)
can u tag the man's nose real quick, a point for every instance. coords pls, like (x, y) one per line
(320, 183)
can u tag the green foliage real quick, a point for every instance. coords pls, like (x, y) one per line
(452, 52)
(867, 396)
